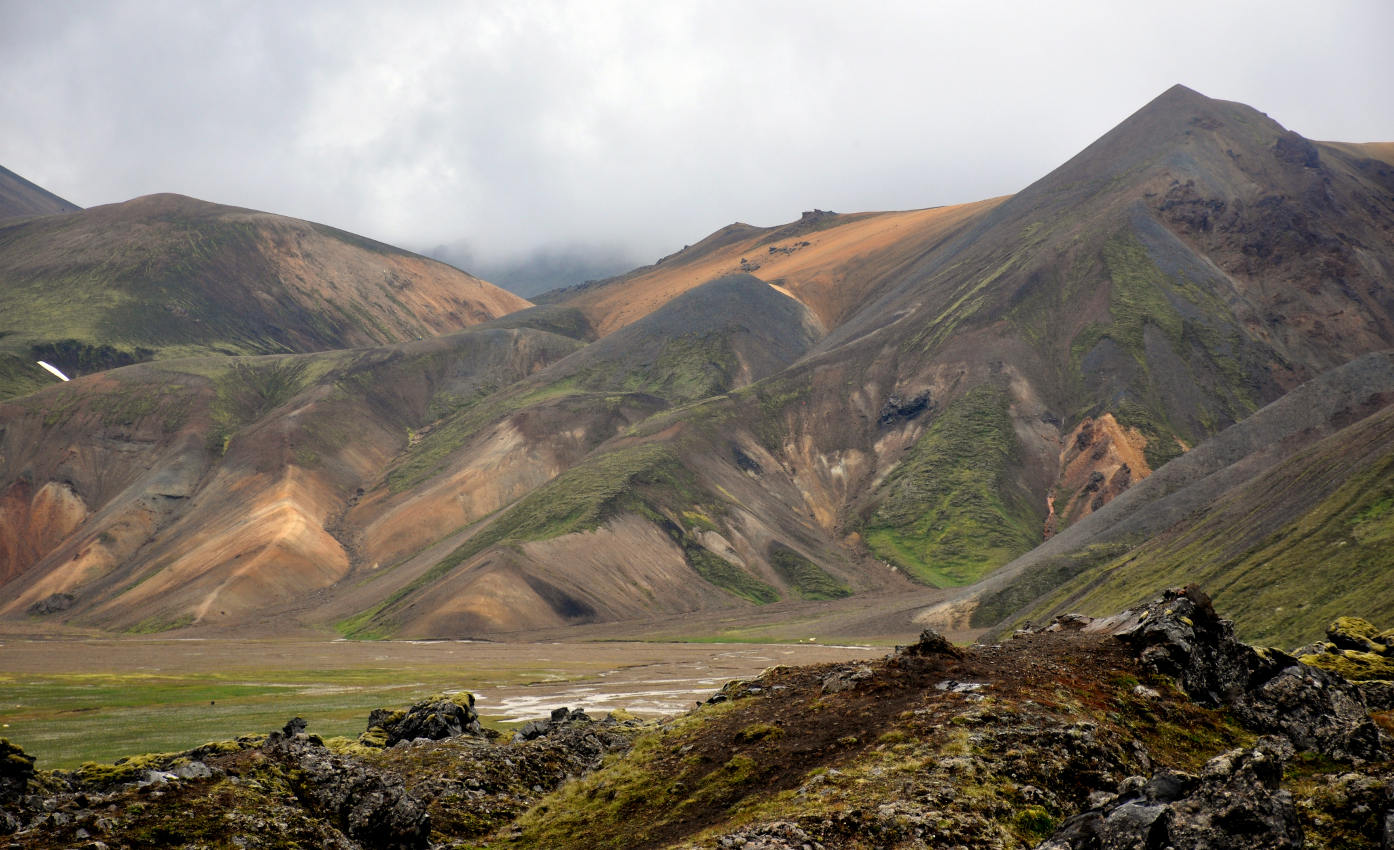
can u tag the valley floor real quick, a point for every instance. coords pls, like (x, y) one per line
(69, 699)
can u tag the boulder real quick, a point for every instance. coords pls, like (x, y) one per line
(561, 718)
(1357, 634)
(930, 643)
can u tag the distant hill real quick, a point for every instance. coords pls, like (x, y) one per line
(20, 198)
(166, 275)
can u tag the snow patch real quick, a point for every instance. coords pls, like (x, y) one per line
(54, 369)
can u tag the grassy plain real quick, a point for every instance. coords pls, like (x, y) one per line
(68, 701)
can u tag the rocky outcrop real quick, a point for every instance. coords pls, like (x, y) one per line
(16, 769)
(371, 807)
(560, 718)
(441, 716)
(1235, 802)
(1268, 690)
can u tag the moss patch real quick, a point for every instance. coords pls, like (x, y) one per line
(807, 579)
(950, 512)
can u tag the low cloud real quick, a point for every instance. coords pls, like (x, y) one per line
(638, 125)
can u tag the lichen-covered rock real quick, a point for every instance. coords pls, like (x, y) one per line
(435, 718)
(1235, 802)
(16, 769)
(1357, 634)
(1181, 636)
(1353, 665)
(1355, 650)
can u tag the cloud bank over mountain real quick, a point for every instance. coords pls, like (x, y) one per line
(513, 125)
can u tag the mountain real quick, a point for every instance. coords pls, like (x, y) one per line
(837, 421)
(19, 198)
(165, 275)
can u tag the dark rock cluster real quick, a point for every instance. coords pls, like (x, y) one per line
(1181, 636)
(441, 716)
(1235, 803)
(560, 717)
(897, 408)
(368, 805)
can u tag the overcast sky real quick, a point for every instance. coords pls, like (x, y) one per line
(507, 127)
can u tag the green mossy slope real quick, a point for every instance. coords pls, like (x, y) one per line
(951, 511)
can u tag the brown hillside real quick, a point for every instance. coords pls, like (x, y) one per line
(831, 263)
(891, 399)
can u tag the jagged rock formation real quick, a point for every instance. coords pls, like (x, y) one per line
(1182, 637)
(441, 716)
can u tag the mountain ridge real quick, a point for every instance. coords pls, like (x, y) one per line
(845, 407)
(19, 198)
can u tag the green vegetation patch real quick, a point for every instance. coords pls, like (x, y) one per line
(21, 376)
(249, 389)
(1040, 580)
(950, 512)
(1162, 444)
(1227, 367)
(726, 575)
(690, 367)
(66, 719)
(462, 420)
(807, 579)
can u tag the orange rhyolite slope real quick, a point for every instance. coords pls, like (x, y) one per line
(831, 263)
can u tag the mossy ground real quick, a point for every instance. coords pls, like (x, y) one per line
(896, 758)
(904, 758)
(806, 578)
(951, 511)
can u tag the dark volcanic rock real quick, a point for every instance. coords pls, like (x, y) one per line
(442, 716)
(897, 408)
(1181, 636)
(1235, 802)
(1292, 148)
(931, 643)
(52, 604)
(561, 718)
(16, 769)
(370, 806)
